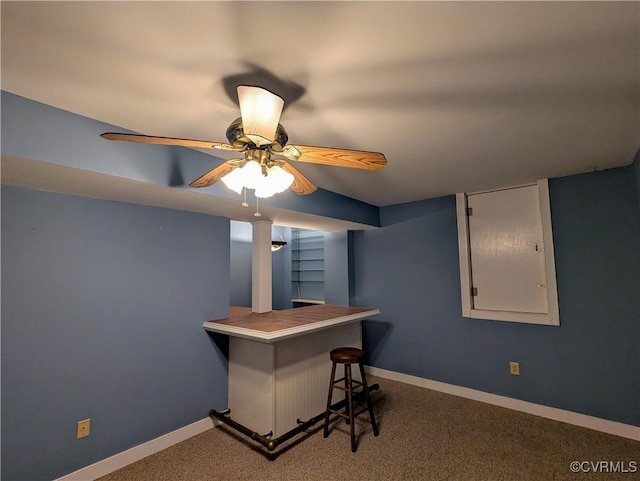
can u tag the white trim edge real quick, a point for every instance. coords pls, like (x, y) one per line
(464, 253)
(120, 460)
(590, 422)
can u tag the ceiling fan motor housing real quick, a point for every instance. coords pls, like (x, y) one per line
(237, 138)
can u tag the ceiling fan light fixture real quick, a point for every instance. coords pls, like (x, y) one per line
(260, 111)
(259, 136)
(251, 173)
(277, 245)
(234, 181)
(251, 176)
(276, 181)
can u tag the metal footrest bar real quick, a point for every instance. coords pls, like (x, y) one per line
(266, 440)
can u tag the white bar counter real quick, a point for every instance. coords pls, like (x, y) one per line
(279, 364)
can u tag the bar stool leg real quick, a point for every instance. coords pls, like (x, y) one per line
(368, 399)
(347, 383)
(347, 372)
(329, 396)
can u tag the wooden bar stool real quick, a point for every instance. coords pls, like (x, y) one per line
(348, 356)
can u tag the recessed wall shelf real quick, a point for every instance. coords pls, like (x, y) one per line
(307, 266)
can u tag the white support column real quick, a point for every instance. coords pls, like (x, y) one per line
(261, 291)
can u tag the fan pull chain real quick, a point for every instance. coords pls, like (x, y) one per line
(245, 203)
(257, 213)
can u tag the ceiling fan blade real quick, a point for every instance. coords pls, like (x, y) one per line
(149, 139)
(214, 175)
(301, 185)
(355, 159)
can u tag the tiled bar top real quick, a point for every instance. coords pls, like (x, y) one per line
(278, 325)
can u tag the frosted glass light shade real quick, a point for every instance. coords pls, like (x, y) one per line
(234, 181)
(260, 111)
(276, 181)
(250, 176)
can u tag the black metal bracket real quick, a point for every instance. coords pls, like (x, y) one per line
(266, 440)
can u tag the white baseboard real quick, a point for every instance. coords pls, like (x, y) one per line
(120, 460)
(598, 424)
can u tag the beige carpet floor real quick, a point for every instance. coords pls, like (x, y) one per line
(424, 435)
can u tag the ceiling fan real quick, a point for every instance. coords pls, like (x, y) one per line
(262, 140)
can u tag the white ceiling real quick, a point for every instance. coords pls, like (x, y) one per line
(458, 96)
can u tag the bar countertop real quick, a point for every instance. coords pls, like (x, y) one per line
(278, 325)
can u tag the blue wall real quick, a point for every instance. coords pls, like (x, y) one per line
(336, 271)
(281, 269)
(409, 270)
(102, 312)
(241, 267)
(241, 253)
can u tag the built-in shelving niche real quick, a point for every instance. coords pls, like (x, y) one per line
(307, 267)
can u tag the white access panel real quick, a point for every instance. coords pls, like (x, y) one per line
(507, 251)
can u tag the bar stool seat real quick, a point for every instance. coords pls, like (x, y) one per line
(348, 356)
